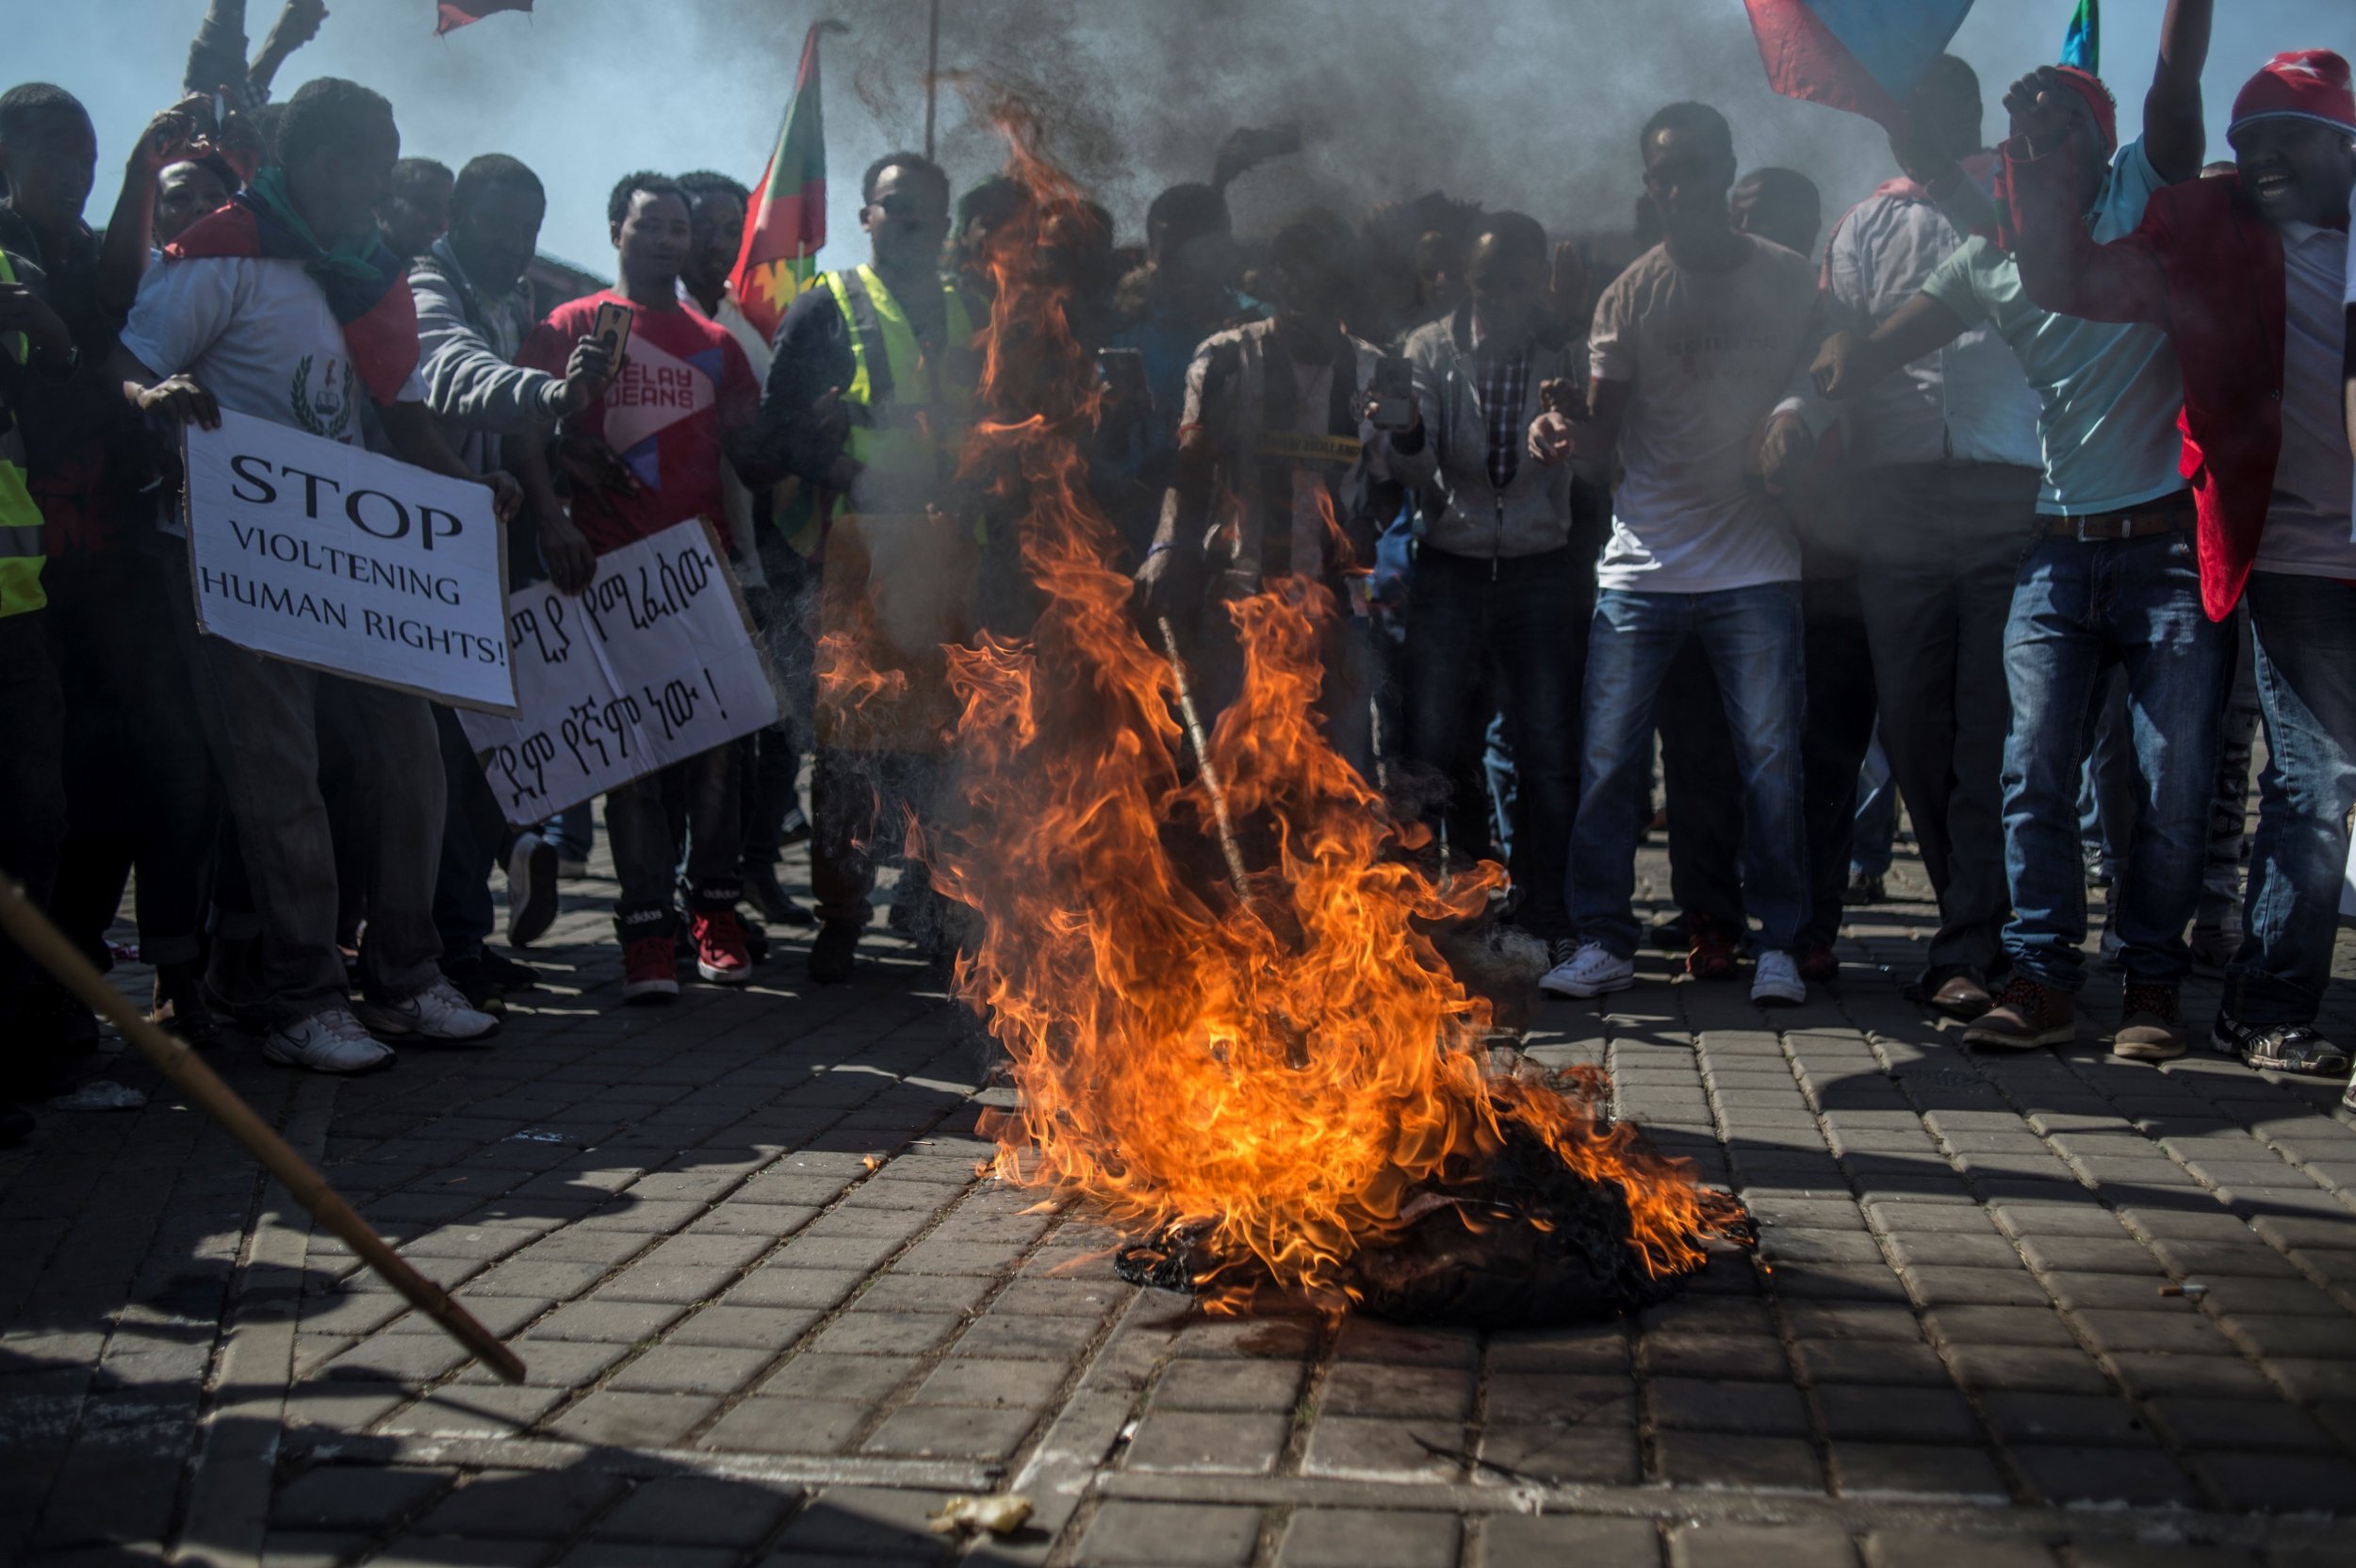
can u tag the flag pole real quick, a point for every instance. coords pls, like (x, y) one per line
(47, 946)
(932, 78)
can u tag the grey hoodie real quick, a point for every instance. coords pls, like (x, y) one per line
(468, 341)
(1462, 513)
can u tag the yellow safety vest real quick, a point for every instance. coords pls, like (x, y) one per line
(909, 414)
(21, 547)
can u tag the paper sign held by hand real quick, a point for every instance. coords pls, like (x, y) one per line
(329, 556)
(652, 663)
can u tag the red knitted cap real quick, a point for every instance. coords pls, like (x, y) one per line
(2299, 84)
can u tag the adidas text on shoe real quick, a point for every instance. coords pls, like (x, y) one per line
(2027, 1015)
(438, 1015)
(1594, 969)
(332, 1042)
(1776, 981)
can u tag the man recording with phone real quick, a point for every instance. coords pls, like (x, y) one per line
(1505, 573)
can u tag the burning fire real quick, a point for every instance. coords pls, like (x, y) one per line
(1289, 1072)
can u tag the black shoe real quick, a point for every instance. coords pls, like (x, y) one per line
(756, 940)
(532, 865)
(179, 1004)
(16, 1125)
(474, 982)
(834, 954)
(795, 828)
(507, 973)
(2278, 1046)
(773, 903)
(1865, 887)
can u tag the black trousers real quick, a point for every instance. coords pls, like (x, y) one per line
(32, 831)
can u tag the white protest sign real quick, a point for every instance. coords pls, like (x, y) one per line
(650, 664)
(329, 556)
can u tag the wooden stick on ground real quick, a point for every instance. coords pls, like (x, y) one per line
(1202, 746)
(47, 946)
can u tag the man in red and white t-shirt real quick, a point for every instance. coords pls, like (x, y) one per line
(682, 403)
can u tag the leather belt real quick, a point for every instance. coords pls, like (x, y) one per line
(2173, 514)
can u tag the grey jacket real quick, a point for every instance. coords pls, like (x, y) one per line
(468, 342)
(1462, 513)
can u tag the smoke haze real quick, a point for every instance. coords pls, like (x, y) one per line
(1528, 103)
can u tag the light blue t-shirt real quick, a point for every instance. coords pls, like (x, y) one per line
(2109, 394)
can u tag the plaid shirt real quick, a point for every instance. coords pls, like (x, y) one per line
(1502, 383)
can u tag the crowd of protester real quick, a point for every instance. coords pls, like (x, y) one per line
(1991, 503)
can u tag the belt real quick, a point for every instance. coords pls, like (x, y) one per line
(2173, 514)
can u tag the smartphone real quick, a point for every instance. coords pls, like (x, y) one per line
(1394, 393)
(611, 331)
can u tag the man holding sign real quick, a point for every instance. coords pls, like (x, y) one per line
(682, 404)
(286, 306)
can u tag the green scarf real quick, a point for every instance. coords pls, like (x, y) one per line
(353, 259)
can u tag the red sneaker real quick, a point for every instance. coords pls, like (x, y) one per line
(1819, 965)
(649, 971)
(720, 953)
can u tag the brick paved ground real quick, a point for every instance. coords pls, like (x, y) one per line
(772, 1316)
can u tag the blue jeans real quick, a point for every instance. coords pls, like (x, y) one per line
(2077, 609)
(1753, 638)
(1875, 834)
(2306, 629)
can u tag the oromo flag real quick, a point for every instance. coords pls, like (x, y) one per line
(1862, 55)
(785, 223)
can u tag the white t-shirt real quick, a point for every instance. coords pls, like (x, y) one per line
(2307, 531)
(257, 334)
(1709, 356)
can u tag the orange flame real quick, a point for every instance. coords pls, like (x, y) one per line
(1287, 1068)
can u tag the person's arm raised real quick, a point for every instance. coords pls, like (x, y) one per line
(2174, 137)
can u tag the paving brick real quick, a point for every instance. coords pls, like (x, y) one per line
(351, 1497)
(521, 1504)
(607, 1322)
(2279, 1482)
(674, 1368)
(1335, 1538)
(1509, 1542)
(686, 1511)
(1879, 1412)
(1762, 1408)
(1203, 1384)
(1177, 1535)
(1758, 1546)
(619, 1420)
(873, 1334)
(1008, 1335)
(960, 1432)
(1732, 1459)
(743, 1328)
(1382, 1448)
(2139, 1476)
(459, 1409)
(1910, 1549)
(1203, 1442)
(848, 1522)
(768, 1426)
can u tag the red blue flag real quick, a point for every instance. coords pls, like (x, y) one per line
(2082, 45)
(1862, 55)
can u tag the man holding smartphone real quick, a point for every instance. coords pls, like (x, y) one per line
(1497, 619)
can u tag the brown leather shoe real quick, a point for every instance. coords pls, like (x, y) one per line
(2026, 1016)
(1962, 994)
(2151, 1026)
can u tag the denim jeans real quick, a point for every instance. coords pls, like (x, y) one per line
(2305, 630)
(1754, 639)
(699, 799)
(1506, 638)
(2078, 608)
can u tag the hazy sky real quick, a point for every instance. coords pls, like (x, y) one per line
(1533, 103)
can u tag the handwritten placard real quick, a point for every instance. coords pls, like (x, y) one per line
(653, 663)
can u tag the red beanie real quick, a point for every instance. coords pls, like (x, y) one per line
(2090, 87)
(2300, 84)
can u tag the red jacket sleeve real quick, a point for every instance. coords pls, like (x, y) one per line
(2062, 269)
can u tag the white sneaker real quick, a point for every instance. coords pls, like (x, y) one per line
(532, 868)
(436, 1013)
(1776, 981)
(1592, 970)
(332, 1042)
